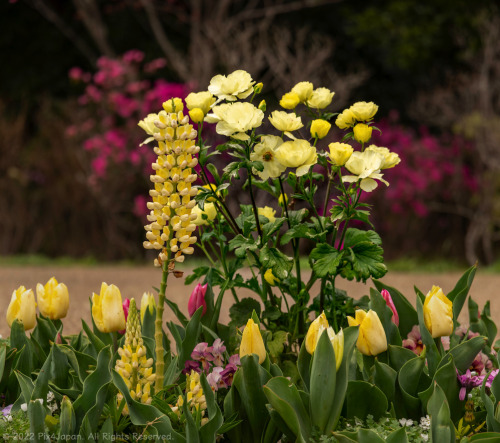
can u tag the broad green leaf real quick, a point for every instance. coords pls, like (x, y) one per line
(273, 258)
(193, 330)
(398, 436)
(367, 261)
(433, 356)
(442, 428)
(240, 312)
(209, 431)
(398, 356)
(67, 420)
(458, 294)
(304, 365)
(465, 353)
(326, 260)
(354, 236)
(385, 377)
(36, 417)
(241, 245)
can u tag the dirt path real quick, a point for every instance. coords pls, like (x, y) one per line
(133, 281)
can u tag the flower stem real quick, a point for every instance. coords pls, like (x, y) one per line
(159, 350)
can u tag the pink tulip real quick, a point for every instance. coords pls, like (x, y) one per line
(126, 304)
(390, 303)
(197, 299)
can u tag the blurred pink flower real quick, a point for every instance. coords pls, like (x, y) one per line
(388, 299)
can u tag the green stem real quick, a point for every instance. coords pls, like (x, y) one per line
(255, 211)
(327, 195)
(159, 350)
(202, 246)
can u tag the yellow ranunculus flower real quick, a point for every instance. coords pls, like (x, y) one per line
(362, 132)
(107, 309)
(265, 152)
(22, 307)
(234, 120)
(270, 278)
(209, 209)
(320, 98)
(391, 159)
(438, 313)
(251, 341)
(238, 84)
(346, 119)
(312, 335)
(340, 153)
(304, 90)
(320, 128)
(53, 299)
(213, 187)
(203, 100)
(297, 154)
(197, 115)
(290, 100)
(148, 302)
(257, 89)
(366, 167)
(285, 121)
(364, 111)
(173, 102)
(371, 339)
(268, 212)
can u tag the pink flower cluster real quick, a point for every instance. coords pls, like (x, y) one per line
(432, 169)
(470, 380)
(114, 99)
(210, 360)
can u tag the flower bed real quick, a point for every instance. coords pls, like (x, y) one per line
(291, 365)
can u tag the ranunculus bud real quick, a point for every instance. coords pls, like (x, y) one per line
(362, 132)
(290, 100)
(320, 128)
(197, 299)
(340, 153)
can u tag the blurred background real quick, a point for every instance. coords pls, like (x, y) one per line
(77, 76)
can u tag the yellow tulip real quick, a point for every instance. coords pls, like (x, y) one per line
(312, 335)
(53, 299)
(362, 132)
(147, 302)
(22, 307)
(251, 341)
(107, 309)
(320, 128)
(371, 339)
(438, 313)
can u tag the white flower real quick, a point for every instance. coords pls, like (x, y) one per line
(366, 167)
(234, 120)
(238, 84)
(265, 152)
(425, 423)
(24, 407)
(424, 437)
(406, 422)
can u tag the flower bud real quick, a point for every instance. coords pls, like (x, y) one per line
(107, 309)
(197, 299)
(371, 339)
(320, 128)
(438, 313)
(362, 132)
(251, 341)
(53, 299)
(22, 307)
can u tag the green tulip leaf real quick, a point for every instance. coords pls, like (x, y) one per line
(193, 330)
(26, 385)
(365, 399)
(486, 437)
(285, 399)
(106, 431)
(67, 420)
(25, 357)
(459, 293)
(80, 362)
(143, 415)
(465, 353)
(385, 377)
(442, 428)
(3, 355)
(369, 436)
(249, 380)
(398, 436)
(41, 386)
(398, 356)
(36, 417)
(322, 387)
(97, 343)
(304, 365)
(208, 432)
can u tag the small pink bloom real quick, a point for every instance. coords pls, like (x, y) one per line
(414, 341)
(388, 299)
(197, 299)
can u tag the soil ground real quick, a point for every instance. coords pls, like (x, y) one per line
(134, 281)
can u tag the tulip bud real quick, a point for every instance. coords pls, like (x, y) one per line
(147, 302)
(320, 128)
(197, 299)
(107, 309)
(438, 313)
(313, 332)
(371, 339)
(337, 341)
(362, 132)
(251, 341)
(53, 299)
(22, 307)
(388, 299)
